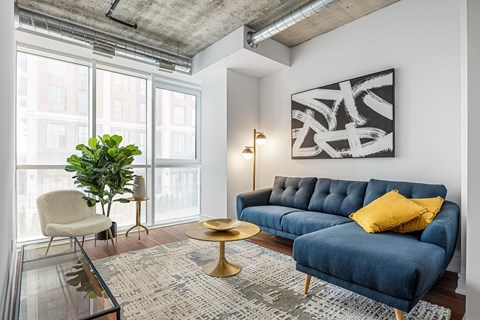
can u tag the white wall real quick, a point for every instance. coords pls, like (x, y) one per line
(471, 129)
(243, 117)
(421, 40)
(425, 54)
(214, 146)
(7, 107)
(229, 115)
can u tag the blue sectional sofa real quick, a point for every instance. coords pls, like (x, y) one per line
(393, 268)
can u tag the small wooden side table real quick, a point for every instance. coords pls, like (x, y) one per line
(139, 208)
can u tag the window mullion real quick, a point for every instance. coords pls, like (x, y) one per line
(92, 117)
(151, 132)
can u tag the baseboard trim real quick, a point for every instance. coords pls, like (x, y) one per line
(461, 284)
(10, 298)
(207, 217)
(455, 264)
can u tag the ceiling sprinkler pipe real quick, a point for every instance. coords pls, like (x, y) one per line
(110, 13)
(61, 30)
(293, 17)
(112, 8)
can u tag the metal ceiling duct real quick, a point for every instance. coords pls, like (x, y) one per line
(37, 23)
(288, 20)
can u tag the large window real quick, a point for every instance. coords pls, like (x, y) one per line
(56, 97)
(121, 112)
(177, 173)
(56, 136)
(83, 101)
(57, 109)
(47, 122)
(171, 123)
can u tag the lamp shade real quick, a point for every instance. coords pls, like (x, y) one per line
(139, 191)
(247, 153)
(261, 138)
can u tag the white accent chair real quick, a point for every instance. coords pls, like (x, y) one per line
(65, 213)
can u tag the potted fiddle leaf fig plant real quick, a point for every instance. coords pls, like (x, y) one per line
(104, 170)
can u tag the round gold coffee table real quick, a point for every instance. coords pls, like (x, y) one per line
(221, 268)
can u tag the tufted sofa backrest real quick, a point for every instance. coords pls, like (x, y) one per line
(377, 188)
(340, 197)
(292, 192)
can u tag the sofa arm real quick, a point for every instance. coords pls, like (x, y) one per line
(254, 198)
(442, 231)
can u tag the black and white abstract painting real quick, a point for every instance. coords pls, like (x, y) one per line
(348, 119)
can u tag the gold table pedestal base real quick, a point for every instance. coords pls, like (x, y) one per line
(221, 268)
(136, 226)
(137, 222)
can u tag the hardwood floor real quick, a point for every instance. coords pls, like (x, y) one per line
(442, 293)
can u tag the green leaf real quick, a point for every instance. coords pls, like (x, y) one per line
(136, 152)
(104, 138)
(117, 139)
(74, 282)
(112, 151)
(92, 142)
(122, 200)
(91, 202)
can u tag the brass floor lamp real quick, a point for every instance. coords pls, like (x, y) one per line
(250, 152)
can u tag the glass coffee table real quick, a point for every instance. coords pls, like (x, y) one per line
(62, 285)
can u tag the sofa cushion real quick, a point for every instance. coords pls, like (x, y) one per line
(395, 264)
(433, 206)
(292, 192)
(377, 188)
(340, 197)
(266, 216)
(387, 212)
(303, 222)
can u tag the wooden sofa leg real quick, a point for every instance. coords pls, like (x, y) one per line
(399, 314)
(307, 283)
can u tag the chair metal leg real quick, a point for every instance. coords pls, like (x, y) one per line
(48, 248)
(110, 235)
(83, 240)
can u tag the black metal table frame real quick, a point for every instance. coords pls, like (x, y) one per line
(116, 307)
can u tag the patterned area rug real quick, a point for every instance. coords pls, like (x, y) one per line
(167, 282)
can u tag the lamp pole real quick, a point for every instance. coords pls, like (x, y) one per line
(254, 156)
(250, 152)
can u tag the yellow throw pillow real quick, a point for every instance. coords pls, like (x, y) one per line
(387, 212)
(433, 205)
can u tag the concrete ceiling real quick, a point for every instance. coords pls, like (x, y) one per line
(191, 26)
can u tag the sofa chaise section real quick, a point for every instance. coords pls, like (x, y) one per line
(388, 267)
